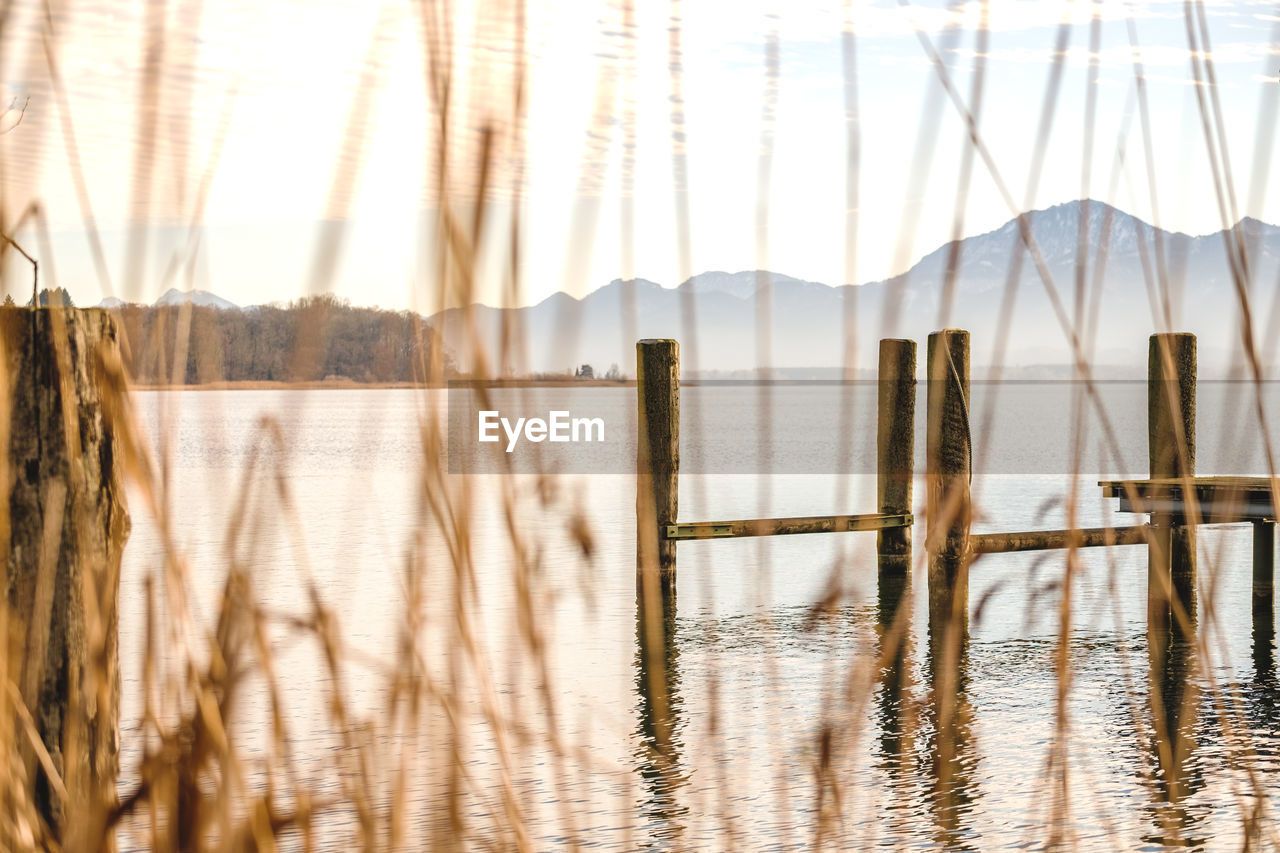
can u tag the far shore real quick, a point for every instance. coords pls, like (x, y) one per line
(352, 385)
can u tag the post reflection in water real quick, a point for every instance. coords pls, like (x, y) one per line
(1264, 657)
(948, 735)
(895, 720)
(894, 646)
(659, 723)
(1262, 707)
(1174, 700)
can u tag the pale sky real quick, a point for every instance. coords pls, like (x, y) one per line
(273, 116)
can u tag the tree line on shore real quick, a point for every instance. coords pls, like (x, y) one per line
(309, 339)
(315, 338)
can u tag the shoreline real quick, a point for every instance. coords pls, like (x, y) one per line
(352, 385)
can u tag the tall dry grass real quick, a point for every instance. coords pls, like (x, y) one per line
(405, 776)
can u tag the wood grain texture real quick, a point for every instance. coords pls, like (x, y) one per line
(1171, 448)
(65, 525)
(1049, 540)
(948, 468)
(895, 451)
(658, 456)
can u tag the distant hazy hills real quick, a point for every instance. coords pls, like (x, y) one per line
(718, 316)
(173, 297)
(715, 314)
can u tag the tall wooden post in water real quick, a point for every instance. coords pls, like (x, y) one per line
(948, 471)
(657, 458)
(1264, 570)
(64, 529)
(1171, 437)
(895, 447)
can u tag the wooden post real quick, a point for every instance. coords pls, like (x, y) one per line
(1264, 569)
(64, 530)
(658, 458)
(895, 450)
(895, 447)
(1171, 437)
(1264, 618)
(948, 469)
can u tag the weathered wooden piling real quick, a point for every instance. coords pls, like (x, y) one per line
(657, 457)
(1264, 569)
(895, 452)
(1171, 443)
(948, 471)
(65, 528)
(895, 449)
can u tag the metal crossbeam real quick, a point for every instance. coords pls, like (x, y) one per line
(785, 526)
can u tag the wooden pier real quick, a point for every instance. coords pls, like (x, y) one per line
(1212, 500)
(1173, 497)
(658, 468)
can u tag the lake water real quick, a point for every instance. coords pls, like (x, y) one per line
(783, 730)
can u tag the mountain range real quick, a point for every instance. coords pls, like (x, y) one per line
(173, 296)
(715, 314)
